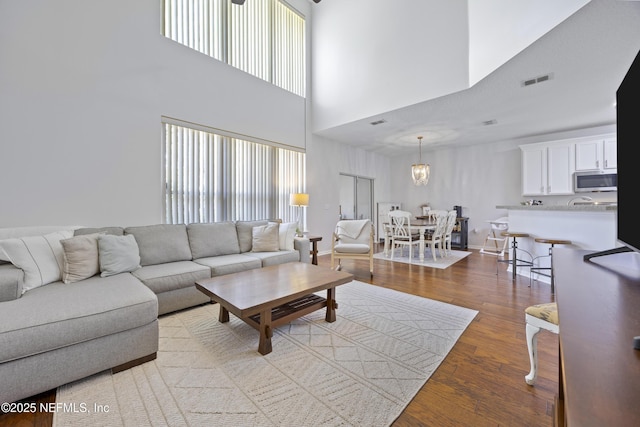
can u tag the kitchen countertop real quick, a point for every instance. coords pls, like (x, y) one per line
(574, 208)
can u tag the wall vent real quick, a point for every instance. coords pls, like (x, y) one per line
(378, 122)
(536, 80)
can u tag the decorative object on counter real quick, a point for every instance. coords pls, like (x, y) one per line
(531, 202)
(299, 200)
(420, 171)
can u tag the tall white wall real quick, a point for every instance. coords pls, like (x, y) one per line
(326, 160)
(500, 29)
(372, 56)
(83, 86)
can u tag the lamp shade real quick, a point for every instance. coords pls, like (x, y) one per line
(420, 173)
(299, 199)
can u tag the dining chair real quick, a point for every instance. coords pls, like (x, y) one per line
(436, 238)
(401, 233)
(452, 218)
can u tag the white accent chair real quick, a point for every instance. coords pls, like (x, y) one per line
(436, 238)
(452, 218)
(401, 233)
(352, 239)
(538, 317)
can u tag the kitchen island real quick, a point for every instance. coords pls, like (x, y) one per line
(587, 226)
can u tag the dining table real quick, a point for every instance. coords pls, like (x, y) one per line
(419, 224)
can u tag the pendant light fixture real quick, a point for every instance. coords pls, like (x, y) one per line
(420, 171)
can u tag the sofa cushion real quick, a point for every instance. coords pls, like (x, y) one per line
(80, 257)
(93, 308)
(265, 238)
(277, 257)
(227, 264)
(116, 231)
(213, 239)
(161, 243)
(171, 276)
(40, 257)
(245, 233)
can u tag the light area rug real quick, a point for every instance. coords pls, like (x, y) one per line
(440, 262)
(361, 370)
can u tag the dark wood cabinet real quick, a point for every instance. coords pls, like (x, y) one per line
(598, 304)
(460, 235)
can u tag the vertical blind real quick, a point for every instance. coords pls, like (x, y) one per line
(265, 38)
(210, 177)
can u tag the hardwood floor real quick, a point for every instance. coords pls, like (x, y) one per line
(481, 381)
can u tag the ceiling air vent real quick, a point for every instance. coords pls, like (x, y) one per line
(379, 122)
(536, 80)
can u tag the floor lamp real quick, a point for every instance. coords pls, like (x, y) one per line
(299, 200)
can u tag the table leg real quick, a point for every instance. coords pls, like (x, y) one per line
(386, 242)
(223, 315)
(515, 262)
(264, 346)
(331, 305)
(421, 246)
(314, 252)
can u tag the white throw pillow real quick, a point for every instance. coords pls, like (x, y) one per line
(287, 235)
(118, 254)
(80, 257)
(40, 257)
(265, 238)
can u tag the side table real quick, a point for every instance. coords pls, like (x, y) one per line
(314, 248)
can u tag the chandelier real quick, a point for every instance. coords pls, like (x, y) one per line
(420, 171)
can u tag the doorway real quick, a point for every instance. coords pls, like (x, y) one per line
(356, 197)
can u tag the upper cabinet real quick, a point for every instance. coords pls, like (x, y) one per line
(597, 154)
(547, 169)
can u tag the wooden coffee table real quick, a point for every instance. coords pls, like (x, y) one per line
(268, 297)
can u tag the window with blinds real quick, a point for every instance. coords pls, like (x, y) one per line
(265, 38)
(211, 177)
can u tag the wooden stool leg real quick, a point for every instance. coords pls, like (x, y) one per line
(532, 346)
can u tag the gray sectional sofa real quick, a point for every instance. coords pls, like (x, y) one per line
(60, 332)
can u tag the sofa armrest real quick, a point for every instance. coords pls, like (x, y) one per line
(10, 282)
(303, 246)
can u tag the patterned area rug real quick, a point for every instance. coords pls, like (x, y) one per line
(361, 370)
(440, 262)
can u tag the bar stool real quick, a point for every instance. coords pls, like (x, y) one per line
(536, 270)
(514, 261)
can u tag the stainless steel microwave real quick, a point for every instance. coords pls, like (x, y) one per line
(584, 182)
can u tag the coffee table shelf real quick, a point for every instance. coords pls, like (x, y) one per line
(285, 313)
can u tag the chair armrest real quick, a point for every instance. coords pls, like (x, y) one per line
(10, 282)
(303, 246)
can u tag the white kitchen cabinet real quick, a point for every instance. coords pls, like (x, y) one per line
(610, 153)
(547, 169)
(597, 154)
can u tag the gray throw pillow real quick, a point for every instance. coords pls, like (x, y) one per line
(118, 254)
(266, 238)
(245, 235)
(80, 257)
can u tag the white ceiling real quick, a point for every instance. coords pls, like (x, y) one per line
(586, 56)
